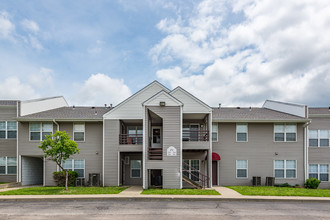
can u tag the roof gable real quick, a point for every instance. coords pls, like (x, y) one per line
(162, 96)
(191, 104)
(131, 108)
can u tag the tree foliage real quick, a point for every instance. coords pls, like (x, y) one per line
(59, 147)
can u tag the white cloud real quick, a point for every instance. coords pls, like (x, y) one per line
(13, 88)
(6, 26)
(30, 25)
(100, 89)
(42, 79)
(279, 50)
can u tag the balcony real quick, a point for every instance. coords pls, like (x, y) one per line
(195, 135)
(130, 138)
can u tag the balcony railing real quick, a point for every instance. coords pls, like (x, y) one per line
(130, 138)
(195, 135)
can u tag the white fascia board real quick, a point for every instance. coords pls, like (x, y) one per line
(134, 95)
(192, 96)
(149, 101)
(262, 121)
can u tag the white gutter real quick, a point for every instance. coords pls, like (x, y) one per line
(305, 126)
(58, 126)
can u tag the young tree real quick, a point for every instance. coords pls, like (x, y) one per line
(58, 147)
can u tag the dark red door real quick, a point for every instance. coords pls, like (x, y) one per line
(214, 172)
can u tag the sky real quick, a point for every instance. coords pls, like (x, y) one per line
(233, 52)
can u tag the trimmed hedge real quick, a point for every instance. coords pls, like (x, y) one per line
(59, 178)
(312, 183)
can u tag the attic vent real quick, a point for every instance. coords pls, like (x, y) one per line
(73, 107)
(329, 109)
(95, 113)
(238, 107)
(162, 103)
(93, 107)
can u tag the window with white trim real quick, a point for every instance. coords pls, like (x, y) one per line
(241, 132)
(192, 168)
(241, 168)
(215, 132)
(79, 131)
(285, 132)
(8, 129)
(318, 138)
(135, 168)
(8, 165)
(39, 130)
(75, 165)
(285, 169)
(319, 171)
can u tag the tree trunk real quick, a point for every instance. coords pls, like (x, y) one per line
(66, 179)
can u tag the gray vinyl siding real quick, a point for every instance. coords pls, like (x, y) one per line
(259, 151)
(111, 146)
(8, 147)
(319, 155)
(171, 137)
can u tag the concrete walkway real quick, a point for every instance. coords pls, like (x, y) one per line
(134, 192)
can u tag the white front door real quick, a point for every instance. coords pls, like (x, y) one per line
(156, 137)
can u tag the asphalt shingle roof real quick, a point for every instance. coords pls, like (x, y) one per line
(8, 102)
(70, 113)
(319, 111)
(225, 113)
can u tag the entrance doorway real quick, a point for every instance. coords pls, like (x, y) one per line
(156, 178)
(156, 137)
(214, 172)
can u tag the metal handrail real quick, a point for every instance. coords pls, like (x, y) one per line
(201, 177)
(130, 138)
(195, 135)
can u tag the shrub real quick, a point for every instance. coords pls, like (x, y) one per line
(312, 183)
(283, 185)
(59, 178)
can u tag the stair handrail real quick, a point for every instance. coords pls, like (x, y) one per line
(202, 177)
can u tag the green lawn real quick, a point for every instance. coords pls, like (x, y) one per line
(61, 190)
(4, 182)
(180, 191)
(280, 191)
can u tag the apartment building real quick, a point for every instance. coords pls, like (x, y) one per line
(167, 138)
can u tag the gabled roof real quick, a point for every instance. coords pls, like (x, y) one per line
(68, 114)
(192, 97)
(163, 94)
(225, 114)
(136, 94)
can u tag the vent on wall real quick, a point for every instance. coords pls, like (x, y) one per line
(127, 160)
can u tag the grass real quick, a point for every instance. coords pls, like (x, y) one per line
(280, 191)
(180, 192)
(61, 190)
(4, 182)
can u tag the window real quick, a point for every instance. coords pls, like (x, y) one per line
(319, 171)
(8, 129)
(75, 165)
(190, 132)
(285, 132)
(285, 168)
(215, 132)
(241, 168)
(135, 168)
(38, 131)
(241, 132)
(79, 132)
(8, 165)
(191, 169)
(318, 138)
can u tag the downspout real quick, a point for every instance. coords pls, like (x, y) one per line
(58, 126)
(305, 126)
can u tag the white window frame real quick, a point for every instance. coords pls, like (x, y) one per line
(247, 169)
(41, 123)
(217, 132)
(72, 166)
(73, 130)
(319, 138)
(6, 167)
(131, 169)
(285, 169)
(6, 130)
(285, 124)
(247, 132)
(319, 171)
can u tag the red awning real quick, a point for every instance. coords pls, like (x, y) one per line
(215, 156)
